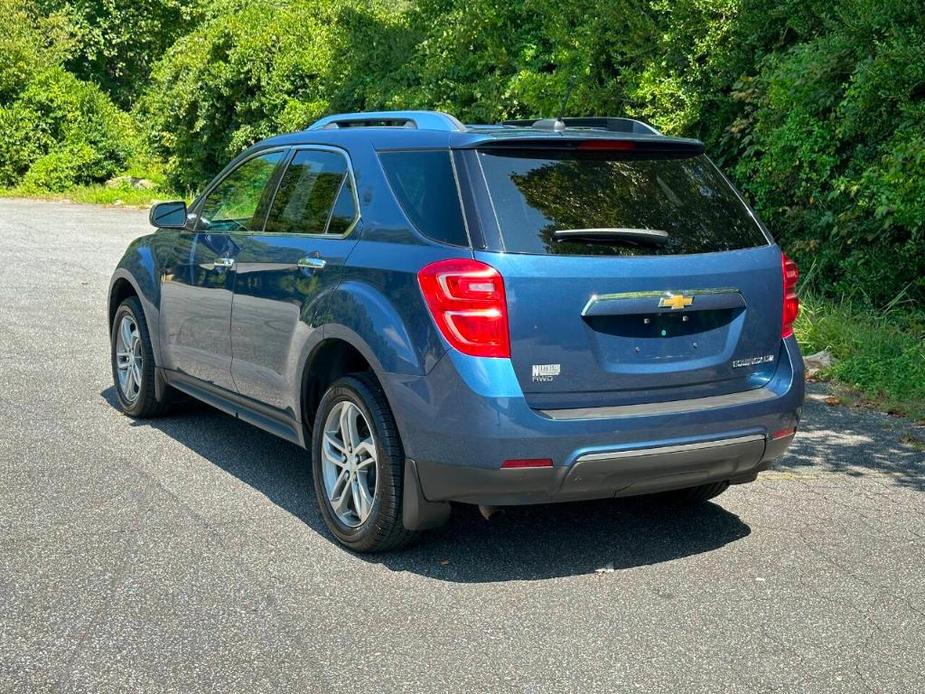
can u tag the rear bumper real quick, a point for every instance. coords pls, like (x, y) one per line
(461, 421)
(604, 474)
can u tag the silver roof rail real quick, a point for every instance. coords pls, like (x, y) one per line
(421, 120)
(615, 125)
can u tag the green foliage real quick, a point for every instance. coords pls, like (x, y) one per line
(76, 111)
(260, 69)
(115, 42)
(97, 194)
(57, 171)
(485, 61)
(25, 139)
(881, 355)
(20, 48)
(834, 156)
(57, 130)
(29, 42)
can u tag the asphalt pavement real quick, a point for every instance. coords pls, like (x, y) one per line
(186, 553)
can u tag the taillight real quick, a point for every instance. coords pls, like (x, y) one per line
(466, 299)
(791, 302)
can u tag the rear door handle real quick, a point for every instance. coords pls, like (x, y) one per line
(312, 263)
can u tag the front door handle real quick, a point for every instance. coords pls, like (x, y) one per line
(224, 262)
(311, 262)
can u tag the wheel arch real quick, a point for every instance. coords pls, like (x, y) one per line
(122, 286)
(330, 359)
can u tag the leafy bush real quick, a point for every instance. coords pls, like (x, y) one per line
(49, 117)
(64, 168)
(25, 139)
(257, 70)
(816, 109)
(19, 48)
(73, 111)
(115, 42)
(59, 120)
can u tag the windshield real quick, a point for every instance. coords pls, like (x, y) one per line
(536, 194)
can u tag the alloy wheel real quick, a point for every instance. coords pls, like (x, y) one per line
(348, 456)
(129, 358)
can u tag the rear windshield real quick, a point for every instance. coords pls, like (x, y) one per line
(614, 204)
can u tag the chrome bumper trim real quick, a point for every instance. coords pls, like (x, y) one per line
(660, 450)
(746, 397)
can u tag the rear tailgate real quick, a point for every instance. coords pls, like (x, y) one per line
(590, 331)
(608, 319)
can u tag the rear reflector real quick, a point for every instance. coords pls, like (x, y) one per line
(791, 303)
(527, 462)
(783, 433)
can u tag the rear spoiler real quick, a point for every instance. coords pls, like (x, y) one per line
(631, 144)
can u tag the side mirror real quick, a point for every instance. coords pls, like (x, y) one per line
(168, 215)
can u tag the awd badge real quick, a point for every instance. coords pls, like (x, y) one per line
(543, 373)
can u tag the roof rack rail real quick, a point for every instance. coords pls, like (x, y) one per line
(616, 125)
(421, 120)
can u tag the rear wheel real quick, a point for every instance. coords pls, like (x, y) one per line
(692, 496)
(133, 362)
(358, 463)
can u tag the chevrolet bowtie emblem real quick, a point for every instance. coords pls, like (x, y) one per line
(675, 301)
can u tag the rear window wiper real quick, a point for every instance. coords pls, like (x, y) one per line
(652, 236)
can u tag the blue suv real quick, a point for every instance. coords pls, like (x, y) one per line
(519, 313)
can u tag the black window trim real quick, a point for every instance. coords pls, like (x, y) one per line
(357, 214)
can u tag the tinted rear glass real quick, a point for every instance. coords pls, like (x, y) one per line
(425, 187)
(536, 194)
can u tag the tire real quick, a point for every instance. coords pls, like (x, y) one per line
(692, 496)
(136, 394)
(382, 529)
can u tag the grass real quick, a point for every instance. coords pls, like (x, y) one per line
(99, 195)
(880, 355)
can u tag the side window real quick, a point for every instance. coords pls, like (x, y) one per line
(425, 187)
(315, 196)
(234, 204)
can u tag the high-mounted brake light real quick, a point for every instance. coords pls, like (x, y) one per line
(604, 145)
(791, 310)
(466, 299)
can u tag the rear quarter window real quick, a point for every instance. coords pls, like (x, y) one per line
(535, 194)
(425, 187)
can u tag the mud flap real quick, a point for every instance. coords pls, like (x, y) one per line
(417, 512)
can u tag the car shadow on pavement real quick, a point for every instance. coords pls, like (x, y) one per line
(526, 543)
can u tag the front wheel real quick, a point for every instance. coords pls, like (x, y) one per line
(133, 362)
(358, 463)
